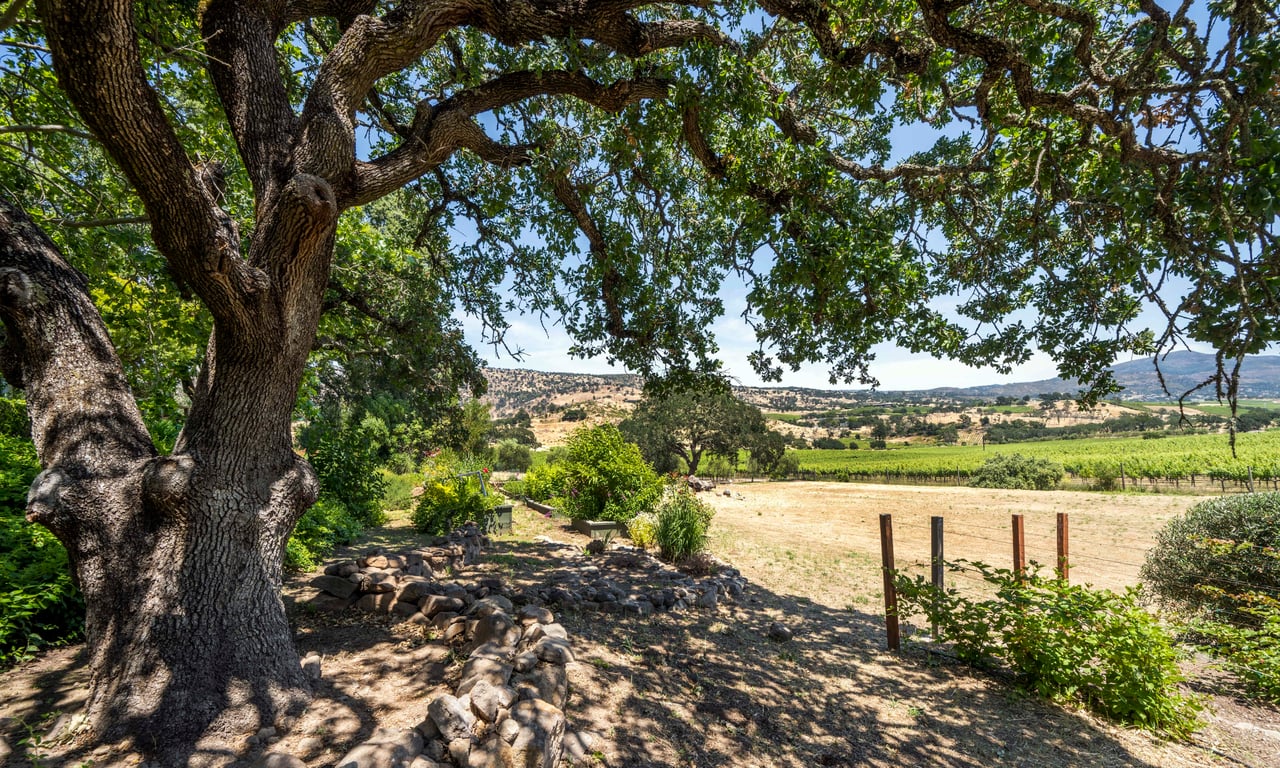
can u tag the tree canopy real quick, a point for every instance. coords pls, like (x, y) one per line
(1050, 164)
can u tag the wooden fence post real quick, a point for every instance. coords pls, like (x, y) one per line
(935, 558)
(890, 591)
(1122, 483)
(1019, 547)
(1064, 562)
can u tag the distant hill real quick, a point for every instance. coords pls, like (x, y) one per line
(1259, 378)
(541, 393)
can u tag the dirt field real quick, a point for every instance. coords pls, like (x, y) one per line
(801, 538)
(710, 689)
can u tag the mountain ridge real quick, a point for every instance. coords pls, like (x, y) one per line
(513, 389)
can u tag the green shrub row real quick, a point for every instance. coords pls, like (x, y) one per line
(1013, 470)
(1067, 643)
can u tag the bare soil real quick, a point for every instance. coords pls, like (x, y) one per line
(709, 688)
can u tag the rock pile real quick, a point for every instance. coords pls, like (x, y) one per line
(507, 709)
(628, 580)
(403, 583)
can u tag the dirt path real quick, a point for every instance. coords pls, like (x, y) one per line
(709, 689)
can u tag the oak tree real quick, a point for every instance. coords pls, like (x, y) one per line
(973, 178)
(685, 424)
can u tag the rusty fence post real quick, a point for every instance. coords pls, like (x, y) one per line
(1064, 556)
(890, 591)
(936, 567)
(1019, 547)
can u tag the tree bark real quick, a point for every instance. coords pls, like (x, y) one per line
(178, 557)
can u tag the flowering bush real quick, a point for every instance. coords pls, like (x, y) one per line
(451, 496)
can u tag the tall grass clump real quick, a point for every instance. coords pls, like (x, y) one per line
(682, 523)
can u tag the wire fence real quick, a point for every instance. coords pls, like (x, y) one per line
(948, 556)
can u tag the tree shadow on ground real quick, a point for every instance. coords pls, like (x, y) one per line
(699, 688)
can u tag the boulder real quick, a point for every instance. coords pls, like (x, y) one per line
(334, 585)
(487, 699)
(387, 748)
(452, 718)
(540, 742)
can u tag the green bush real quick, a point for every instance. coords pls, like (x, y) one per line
(1186, 567)
(606, 478)
(402, 463)
(511, 456)
(546, 483)
(1013, 470)
(1249, 649)
(348, 470)
(399, 489)
(449, 500)
(325, 526)
(1067, 643)
(516, 488)
(682, 523)
(39, 604)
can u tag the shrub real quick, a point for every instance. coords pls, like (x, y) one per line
(829, 443)
(513, 457)
(325, 526)
(546, 483)
(1187, 568)
(606, 478)
(398, 493)
(1013, 470)
(643, 530)
(515, 488)
(348, 470)
(1064, 642)
(1251, 652)
(402, 463)
(39, 604)
(682, 523)
(449, 499)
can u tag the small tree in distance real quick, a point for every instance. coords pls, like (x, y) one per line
(671, 424)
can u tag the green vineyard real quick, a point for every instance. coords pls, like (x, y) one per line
(1103, 459)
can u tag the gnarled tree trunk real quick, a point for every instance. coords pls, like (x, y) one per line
(178, 557)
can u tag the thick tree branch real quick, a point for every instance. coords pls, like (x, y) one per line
(369, 49)
(240, 39)
(83, 418)
(439, 130)
(96, 57)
